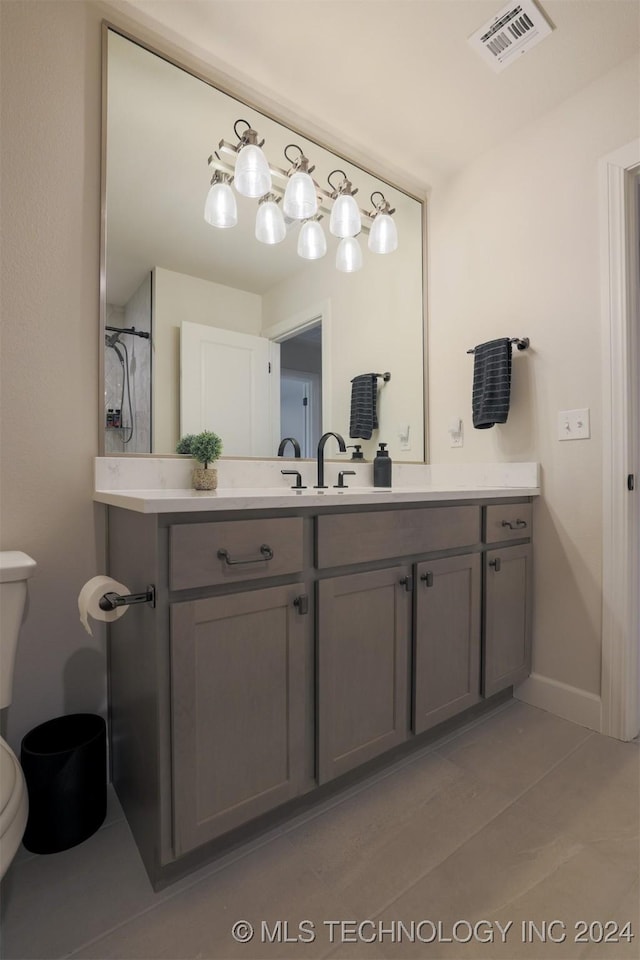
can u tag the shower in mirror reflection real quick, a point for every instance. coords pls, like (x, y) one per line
(128, 374)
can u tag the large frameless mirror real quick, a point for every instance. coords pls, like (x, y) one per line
(221, 328)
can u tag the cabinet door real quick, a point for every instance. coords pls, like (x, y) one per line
(447, 639)
(507, 616)
(363, 681)
(239, 690)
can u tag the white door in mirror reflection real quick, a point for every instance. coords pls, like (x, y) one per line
(229, 383)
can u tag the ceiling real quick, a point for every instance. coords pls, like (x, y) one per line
(396, 80)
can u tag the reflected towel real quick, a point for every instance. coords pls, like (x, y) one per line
(364, 414)
(491, 383)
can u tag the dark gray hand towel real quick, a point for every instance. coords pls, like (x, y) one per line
(364, 414)
(491, 383)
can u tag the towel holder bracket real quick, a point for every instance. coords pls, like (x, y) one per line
(385, 376)
(522, 343)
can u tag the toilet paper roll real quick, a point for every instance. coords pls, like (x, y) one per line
(89, 600)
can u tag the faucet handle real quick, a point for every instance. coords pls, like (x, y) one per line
(341, 485)
(294, 473)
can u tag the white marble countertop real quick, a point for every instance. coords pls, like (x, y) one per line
(163, 484)
(193, 501)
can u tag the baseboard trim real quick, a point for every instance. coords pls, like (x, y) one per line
(565, 701)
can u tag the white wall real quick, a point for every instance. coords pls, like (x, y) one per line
(514, 246)
(177, 297)
(50, 181)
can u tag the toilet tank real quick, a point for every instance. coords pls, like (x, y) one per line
(15, 569)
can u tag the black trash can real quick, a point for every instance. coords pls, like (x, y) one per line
(65, 767)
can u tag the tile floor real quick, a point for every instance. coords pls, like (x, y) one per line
(521, 818)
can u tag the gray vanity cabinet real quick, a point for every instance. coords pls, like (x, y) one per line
(363, 667)
(507, 617)
(446, 676)
(239, 692)
(286, 649)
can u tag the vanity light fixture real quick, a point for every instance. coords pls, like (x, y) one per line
(270, 225)
(312, 243)
(345, 220)
(383, 236)
(300, 196)
(252, 173)
(220, 209)
(348, 255)
(303, 201)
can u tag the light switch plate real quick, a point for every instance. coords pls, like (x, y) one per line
(574, 424)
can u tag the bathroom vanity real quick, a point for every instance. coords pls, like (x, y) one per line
(293, 649)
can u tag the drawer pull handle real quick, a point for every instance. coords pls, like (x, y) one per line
(428, 578)
(495, 564)
(515, 525)
(265, 550)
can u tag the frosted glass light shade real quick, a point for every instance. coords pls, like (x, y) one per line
(300, 200)
(220, 208)
(348, 255)
(270, 225)
(383, 236)
(312, 243)
(252, 177)
(345, 217)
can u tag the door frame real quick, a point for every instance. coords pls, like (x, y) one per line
(620, 696)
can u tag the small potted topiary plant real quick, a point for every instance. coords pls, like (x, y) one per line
(205, 447)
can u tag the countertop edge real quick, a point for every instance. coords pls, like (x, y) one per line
(191, 501)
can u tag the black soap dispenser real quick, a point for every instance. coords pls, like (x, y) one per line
(382, 467)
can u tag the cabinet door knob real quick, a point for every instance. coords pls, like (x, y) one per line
(495, 564)
(407, 583)
(302, 603)
(428, 578)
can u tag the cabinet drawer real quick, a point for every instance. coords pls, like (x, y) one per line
(363, 537)
(508, 521)
(205, 554)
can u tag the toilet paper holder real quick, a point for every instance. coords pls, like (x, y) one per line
(110, 601)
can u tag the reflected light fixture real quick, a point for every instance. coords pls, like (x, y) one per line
(220, 208)
(304, 202)
(300, 197)
(252, 174)
(383, 236)
(312, 243)
(348, 255)
(345, 220)
(270, 225)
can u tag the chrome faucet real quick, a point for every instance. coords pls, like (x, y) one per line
(321, 485)
(294, 443)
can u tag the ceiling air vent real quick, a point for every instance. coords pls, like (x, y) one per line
(513, 31)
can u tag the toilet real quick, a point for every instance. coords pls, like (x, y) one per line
(15, 569)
